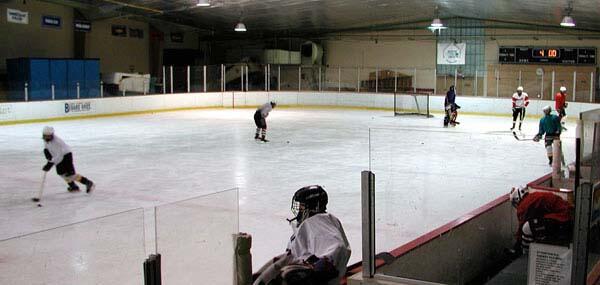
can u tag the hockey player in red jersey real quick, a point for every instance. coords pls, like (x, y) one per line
(561, 104)
(543, 217)
(520, 101)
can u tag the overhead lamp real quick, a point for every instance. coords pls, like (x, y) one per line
(203, 3)
(240, 27)
(436, 23)
(567, 21)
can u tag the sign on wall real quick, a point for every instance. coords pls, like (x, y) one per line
(78, 107)
(82, 26)
(451, 53)
(17, 16)
(549, 265)
(176, 37)
(119, 30)
(136, 33)
(51, 21)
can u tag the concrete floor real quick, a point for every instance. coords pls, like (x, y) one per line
(426, 175)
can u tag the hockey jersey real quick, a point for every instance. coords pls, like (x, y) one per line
(265, 109)
(549, 125)
(321, 235)
(57, 148)
(546, 205)
(560, 100)
(520, 101)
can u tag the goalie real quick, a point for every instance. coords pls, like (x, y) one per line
(451, 108)
(318, 250)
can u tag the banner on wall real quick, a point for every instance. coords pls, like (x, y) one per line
(82, 26)
(451, 53)
(119, 31)
(136, 33)
(17, 16)
(176, 37)
(51, 21)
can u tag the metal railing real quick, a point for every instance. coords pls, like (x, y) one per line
(498, 81)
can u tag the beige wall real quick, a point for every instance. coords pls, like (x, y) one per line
(118, 54)
(401, 53)
(33, 40)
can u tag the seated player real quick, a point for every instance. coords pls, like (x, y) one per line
(318, 250)
(543, 217)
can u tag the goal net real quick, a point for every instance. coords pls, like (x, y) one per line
(411, 104)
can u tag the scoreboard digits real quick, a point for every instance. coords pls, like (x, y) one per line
(547, 55)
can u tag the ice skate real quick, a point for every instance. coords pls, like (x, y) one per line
(89, 187)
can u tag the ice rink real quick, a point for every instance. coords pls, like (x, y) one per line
(426, 175)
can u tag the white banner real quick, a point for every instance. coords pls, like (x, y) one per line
(16, 16)
(451, 53)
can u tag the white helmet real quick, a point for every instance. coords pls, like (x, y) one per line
(520, 88)
(547, 109)
(517, 194)
(563, 89)
(48, 131)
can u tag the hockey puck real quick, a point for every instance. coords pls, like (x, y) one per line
(35, 199)
(39, 205)
(288, 142)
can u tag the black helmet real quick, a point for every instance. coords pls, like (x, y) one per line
(308, 201)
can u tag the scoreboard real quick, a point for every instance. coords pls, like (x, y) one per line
(547, 55)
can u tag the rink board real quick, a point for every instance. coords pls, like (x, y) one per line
(65, 109)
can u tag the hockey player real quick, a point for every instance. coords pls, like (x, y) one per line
(318, 251)
(260, 120)
(549, 125)
(520, 100)
(451, 108)
(543, 217)
(561, 102)
(58, 153)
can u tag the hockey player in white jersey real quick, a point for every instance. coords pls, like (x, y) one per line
(58, 153)
(318, 251)
(520, 101)
(260, 120)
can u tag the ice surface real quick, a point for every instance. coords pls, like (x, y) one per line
(147, 160)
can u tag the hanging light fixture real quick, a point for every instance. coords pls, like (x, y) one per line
(437, 23)
(240, 27)
(203, 3)
(567, 20)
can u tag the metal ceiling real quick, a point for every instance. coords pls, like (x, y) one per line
(317, 17)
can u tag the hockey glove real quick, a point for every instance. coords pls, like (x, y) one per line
(48, 166)
(566, 104)
(537, 138)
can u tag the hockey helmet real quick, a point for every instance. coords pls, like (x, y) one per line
(308, 201)
(517, 194)
(563, 89)
(547, 109)
(520, 88)
(48, 131)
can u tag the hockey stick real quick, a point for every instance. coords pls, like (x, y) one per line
(39, 197)
(520, 139)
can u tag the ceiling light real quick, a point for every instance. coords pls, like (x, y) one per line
(567, 21)
(436, 23)
(240, 27)
(203, 3)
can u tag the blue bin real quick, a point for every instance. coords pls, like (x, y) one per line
(58, 76)
(92, 78)
(75, 75)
